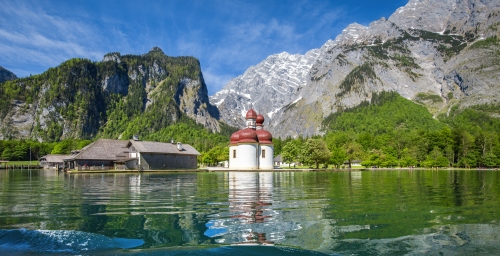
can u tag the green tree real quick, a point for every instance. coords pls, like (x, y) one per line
(353, 151)
(315, 151)
(290, 152)
(338, 157)
(436, 158)
(7, 154)
(215, 155)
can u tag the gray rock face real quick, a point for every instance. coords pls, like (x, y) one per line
(455, 16)
(116, 84)
(192, 99)
(425, 47)
(112, 57)
(267, 87)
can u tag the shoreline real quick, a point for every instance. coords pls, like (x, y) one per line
(222, 169)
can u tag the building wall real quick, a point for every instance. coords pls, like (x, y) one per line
(266, 160)
(167, 161)
(132, 164)
(91, 164)
(233, 161)
(248, 156)
(48, 165)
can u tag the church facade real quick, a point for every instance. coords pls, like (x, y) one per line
(251, 148)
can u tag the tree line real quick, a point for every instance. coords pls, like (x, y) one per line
(391, 131)
(23, 150)
(388, 131)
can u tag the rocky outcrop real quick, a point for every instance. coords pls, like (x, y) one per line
(429, 47)
(6, 75)
(192, 98)
(116, 83)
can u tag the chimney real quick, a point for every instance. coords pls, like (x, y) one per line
(179, 146)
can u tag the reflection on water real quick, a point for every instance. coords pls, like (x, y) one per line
(251, 218)
(372, 212)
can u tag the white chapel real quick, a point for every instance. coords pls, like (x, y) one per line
(251, 148)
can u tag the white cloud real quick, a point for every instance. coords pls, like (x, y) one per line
(30, 36)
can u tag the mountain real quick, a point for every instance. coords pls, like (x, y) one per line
(437, 53)
(267, 86)
(120, 96)
(6, 75)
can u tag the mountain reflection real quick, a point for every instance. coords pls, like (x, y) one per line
(251, 218)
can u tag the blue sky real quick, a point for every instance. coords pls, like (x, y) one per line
(226, 36)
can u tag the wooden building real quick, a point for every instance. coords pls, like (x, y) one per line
(102, 154)
(158, 156)
(133, 154)
(52, 161)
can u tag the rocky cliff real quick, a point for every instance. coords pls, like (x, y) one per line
(438, 53)
(120, 96)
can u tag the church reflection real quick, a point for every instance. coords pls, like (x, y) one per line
(251, 219)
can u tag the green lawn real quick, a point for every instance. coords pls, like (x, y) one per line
(33, 162)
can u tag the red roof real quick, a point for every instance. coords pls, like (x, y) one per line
(247, 135)
(250, 135)
(251, 114)
(235, 137)
(264, 137)
(260, 120)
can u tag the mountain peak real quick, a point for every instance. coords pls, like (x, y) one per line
(156, 49)
(422, 49)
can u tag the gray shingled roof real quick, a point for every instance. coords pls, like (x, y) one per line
(104, 149)
(54, 158)
(278, 158)
(163, 148)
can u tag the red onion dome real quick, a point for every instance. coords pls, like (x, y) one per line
(251, 114)
(247, 135)
(260, 120)
(235, 137)
(264, 137)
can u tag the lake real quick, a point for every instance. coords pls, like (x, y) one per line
(382, 212)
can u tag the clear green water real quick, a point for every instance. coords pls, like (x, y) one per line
(311, 213)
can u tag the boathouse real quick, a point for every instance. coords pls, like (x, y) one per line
(52, 161)
(150, 155)
(102, 154)
(133, 154)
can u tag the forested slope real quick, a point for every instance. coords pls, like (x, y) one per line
(391, 131)
(118, 97)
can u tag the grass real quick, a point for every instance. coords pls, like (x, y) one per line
(485, 43)
(33, 162)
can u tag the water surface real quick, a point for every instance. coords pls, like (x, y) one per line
(335, 213)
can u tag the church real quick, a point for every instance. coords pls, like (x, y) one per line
(251, 148)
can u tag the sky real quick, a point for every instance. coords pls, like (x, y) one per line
(226, 36)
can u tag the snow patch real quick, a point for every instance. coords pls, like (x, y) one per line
(297, 100)
(270, 114)
(218, 103)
